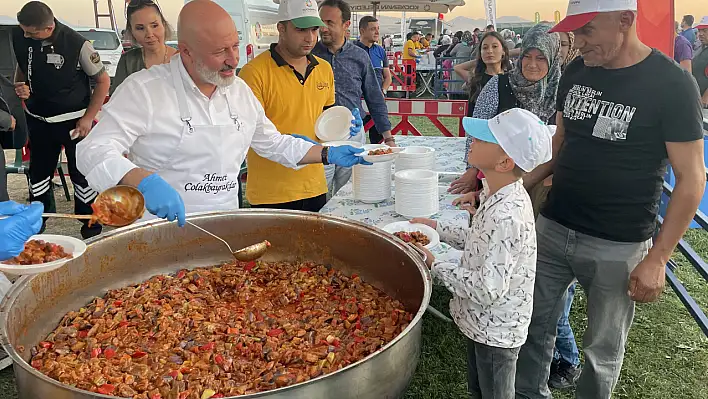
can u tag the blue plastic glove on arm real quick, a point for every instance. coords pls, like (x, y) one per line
(309, 140)
(24, 222)
(346, 156)
(357, 123)
(161, 199)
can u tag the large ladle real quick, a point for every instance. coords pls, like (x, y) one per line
(123, 194)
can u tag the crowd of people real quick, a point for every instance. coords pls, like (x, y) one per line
(180, 122)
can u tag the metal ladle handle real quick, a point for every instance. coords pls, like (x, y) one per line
(211, 234)
(57, 215)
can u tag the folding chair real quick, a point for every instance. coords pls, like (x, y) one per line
(21, 166)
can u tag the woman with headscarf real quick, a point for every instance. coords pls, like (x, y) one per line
(567, 52)
(532, 85)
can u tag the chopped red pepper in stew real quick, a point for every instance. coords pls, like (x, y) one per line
(244, 328)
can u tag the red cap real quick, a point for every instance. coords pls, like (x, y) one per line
(574, 22)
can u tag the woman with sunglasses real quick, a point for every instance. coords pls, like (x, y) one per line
(146, 27)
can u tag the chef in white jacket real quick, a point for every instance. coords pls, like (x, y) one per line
(186, 126)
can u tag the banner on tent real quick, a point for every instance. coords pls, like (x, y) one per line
(490, 9)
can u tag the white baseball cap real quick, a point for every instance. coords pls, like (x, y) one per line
(580, 12)
(703, 24)
(302, 13)
(520, 133)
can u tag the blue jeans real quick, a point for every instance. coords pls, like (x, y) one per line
(566, 348)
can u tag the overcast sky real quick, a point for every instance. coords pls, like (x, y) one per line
(80, 12)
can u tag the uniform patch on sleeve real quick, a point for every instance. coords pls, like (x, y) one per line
(95, 58)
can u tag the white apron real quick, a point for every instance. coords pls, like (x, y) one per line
(205, 165)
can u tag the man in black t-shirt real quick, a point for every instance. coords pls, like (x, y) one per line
(624, 112)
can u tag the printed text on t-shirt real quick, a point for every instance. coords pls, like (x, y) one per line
(613, 119)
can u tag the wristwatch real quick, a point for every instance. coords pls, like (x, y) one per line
(325, 155)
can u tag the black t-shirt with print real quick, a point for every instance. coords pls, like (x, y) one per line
(609, 173)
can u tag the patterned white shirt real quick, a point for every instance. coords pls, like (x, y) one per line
(493, 285)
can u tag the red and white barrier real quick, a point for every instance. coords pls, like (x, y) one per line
(431, 109)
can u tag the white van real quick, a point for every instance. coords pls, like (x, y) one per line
(107, 44)
(256, 23)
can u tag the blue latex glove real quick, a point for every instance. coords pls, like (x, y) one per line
(346, 156)
(161, 199)
(357, 123)
(309, 140)
(24, 222)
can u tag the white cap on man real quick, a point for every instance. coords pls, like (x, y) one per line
(520, 133)
(580, 12)
(703, 24)
(302, 13)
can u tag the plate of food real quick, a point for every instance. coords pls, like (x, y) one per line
(414, 233)
(44, 253)
(380, 153)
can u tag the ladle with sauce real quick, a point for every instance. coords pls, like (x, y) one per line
(126, 195)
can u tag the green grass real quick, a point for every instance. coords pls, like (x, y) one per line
(667, 354)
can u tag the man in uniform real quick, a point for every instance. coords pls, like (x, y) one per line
(368, 38)
(54, 64)
(294, 88)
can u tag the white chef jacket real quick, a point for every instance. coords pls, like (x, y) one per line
(142, 121)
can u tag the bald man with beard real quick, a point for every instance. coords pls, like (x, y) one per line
(185, 127)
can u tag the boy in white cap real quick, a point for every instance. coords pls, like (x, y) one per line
(493, 285)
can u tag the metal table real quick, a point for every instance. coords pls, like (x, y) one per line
(427, 77)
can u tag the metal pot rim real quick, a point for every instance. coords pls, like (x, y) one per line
(21, 283)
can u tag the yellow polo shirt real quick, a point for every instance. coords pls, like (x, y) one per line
(410, 44)
(293, 103)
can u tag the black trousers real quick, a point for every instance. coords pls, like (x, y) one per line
(374, 136)
(46, 140)
(313, 204)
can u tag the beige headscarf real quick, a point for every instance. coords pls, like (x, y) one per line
(573, 53)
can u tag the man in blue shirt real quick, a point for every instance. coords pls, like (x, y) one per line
(687, 30)
(354, 78)
(368, 38)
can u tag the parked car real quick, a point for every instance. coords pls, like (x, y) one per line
(256, 23)
(108, 45)
(397, 40)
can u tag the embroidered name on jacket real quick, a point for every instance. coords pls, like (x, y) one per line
(613, 119)
(212, 184)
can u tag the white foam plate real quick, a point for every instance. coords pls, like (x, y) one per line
(333, 124)
(416, 175)
(71, 245)
(411, 227)
(341, 143)
(380, 158)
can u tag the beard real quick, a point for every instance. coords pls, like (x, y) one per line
(213, 77)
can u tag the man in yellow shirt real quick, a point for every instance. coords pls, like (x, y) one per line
(426, 41)
(294, 88)
(409, 49)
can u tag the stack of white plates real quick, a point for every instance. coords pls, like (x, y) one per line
(372, 183)
(417, 193)
(416, 158)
